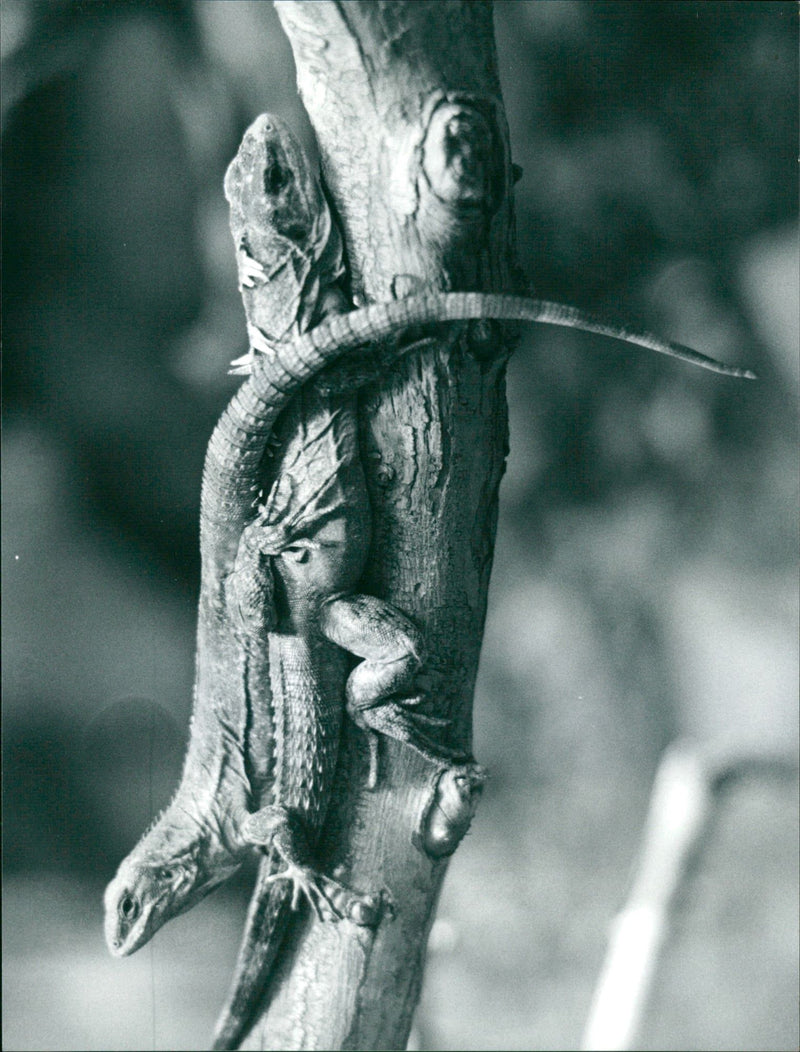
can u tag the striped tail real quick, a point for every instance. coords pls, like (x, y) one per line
(231, 475)
(380, 320)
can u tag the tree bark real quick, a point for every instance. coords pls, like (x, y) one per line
(405, 101)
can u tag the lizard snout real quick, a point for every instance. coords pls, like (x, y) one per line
(124, 912)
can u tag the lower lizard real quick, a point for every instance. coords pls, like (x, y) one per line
(276, 598)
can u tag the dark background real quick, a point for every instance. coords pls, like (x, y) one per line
(645, 582)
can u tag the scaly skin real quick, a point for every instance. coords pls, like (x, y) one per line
(202, 837)
(311, 542)
(380, 322)
(328, 560)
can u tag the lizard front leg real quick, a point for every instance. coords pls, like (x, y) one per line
(383, 691)
(278, 828)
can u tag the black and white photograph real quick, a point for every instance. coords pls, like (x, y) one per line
(400, 525)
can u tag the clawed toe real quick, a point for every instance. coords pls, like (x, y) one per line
(330, 900)
(423, 720)
(306, 882)
(251, 272)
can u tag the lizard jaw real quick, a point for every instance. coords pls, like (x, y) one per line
(128, 918)
(135, 908)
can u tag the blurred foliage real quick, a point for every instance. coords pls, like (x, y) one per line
(645, 570)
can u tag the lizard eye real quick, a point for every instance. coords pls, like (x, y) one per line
(165, 873)
(275, 178)
(128, 908)
(296, 555)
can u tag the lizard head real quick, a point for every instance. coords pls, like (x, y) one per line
(272, 188)
(280, 218)
(141, 897)
(159, 879)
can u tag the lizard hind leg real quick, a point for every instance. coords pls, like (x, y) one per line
(383, 691)
(276, 827)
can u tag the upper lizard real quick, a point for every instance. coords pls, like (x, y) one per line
(200, 840)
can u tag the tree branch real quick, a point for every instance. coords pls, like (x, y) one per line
(405, 101)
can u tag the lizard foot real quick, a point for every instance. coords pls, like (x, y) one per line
(306, 882)
(329, 899)
(279, 828)
(251, 272)
(398, 720)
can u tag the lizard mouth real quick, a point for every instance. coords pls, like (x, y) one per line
(127, 927)
(130, 921)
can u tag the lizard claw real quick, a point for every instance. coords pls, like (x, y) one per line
(374, 745)
(258, 340)
(306, 882)
(330, 900)
(423, 720)
(243, 363)
(303, 882)
(410, 706)
(251, 272)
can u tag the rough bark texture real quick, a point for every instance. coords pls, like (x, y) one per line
(405, 102)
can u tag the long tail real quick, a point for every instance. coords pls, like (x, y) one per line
(268, 920)
(379, 320)
(231, 475)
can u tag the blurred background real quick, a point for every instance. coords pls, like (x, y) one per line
(645, 581)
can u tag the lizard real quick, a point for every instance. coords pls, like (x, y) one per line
(202, 837)
(313, 565)
(356, 622)
(269, 684)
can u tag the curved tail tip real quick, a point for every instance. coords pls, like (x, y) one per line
(734, 371)
(740, 374)
(723, 369)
